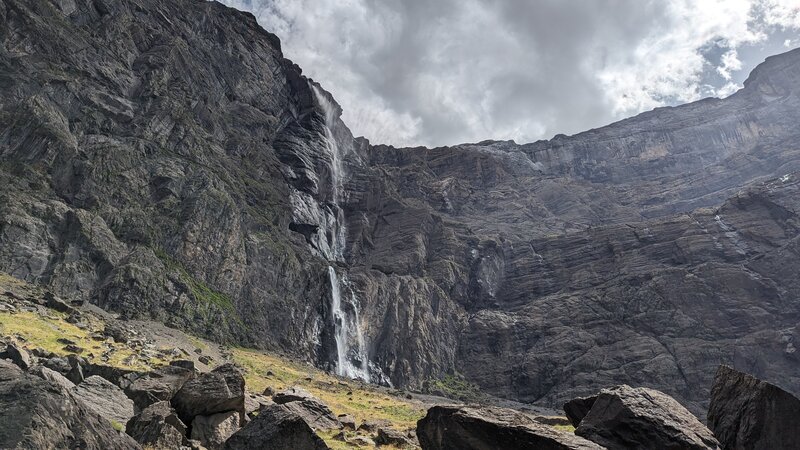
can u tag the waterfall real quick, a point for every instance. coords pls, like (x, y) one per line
(351, 354)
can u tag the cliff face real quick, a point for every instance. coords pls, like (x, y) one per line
(164, 160)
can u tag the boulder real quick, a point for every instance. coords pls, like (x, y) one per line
(105, 398)
(220, 390)
(626, 417)
(315, 413)
(212, 431)
(18, 356)
(276, 427)
(747, 413)
(157, 426)
(362, 441)
(37, 414)
(487, 428)
(371, 426)
(158, 385)
(390, 436)
(576, 409)
(348, 422)
(55, 378)
(292, 394)
(185, 363)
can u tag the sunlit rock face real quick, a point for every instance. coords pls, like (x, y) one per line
(164, 160)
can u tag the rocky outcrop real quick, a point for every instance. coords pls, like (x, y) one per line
(626, 417)
(461, 427)
(221, 390)
(37, 414)
(157, 426)
(276, 427)
(747, 413)
(105, 398)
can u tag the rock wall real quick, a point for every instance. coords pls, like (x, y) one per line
(165, 161)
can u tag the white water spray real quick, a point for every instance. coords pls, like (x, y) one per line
(351, 355)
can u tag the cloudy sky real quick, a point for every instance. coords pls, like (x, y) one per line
(442, 72)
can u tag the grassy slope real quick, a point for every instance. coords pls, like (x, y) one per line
(262, 370)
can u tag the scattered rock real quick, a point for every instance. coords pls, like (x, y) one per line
(212, 431)
(18, 356)
(160, 384)
(347, 421)
(53, 302)
(626, 417)
(462, 427)
(371, 426)
(552, 420)
(105, 398)
(157, 426)
(205, 359)
(363, 441)
(576, 409)
(73, 349)
(390, 436)
(269, 391)
(276, 427)
(37, 414)
(292, 394)
(747, 413)
(65, 341)
(220, 390)
(117, 332)
(184, 363)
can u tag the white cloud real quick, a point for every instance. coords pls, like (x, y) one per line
(416, 72)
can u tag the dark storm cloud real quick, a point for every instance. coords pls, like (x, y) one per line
(443, 72)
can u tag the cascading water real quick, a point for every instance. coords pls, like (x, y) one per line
(351, 355)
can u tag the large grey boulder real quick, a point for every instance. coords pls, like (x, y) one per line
(37, 414)
(105, 398)
(313, 410)
(749, 414)
(157, 426)
(212, 431)
(470, 428)
(278, 428)
(158, 385)
(220, 390)
(642, 418)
